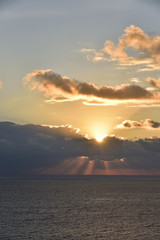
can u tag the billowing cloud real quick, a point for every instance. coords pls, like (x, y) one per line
(60, 89)
(147, 46)
(34, 149)
(147, 124)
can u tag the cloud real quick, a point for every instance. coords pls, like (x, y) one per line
(144, 105)
(93, 55)
(60, 89)
(34, 149)
(135, 80)
(147, 124)
(85, 50)
(154, 82)
(147, 47)
(0, 84)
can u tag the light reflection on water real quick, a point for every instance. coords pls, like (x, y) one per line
(80, 208)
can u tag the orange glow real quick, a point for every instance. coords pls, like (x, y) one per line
(98, 130)
(100, 138)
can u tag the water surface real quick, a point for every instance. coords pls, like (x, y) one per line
(80, 208)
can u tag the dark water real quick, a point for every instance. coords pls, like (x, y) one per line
(80, 208)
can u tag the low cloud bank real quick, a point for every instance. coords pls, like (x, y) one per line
(35, 149)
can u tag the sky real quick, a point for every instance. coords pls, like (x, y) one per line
(83, 77)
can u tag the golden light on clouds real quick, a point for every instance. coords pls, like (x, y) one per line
(62, 89)
(135, 38)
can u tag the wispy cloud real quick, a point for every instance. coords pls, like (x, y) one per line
(134, 37)
(8, 15)
(147, 124)
(145, 105)
(0, 84)
(135, 80)
(60, 89)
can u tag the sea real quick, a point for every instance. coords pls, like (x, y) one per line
(80, 208)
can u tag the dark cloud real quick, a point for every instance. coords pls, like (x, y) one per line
(33, 149)
(147, 123)
(154, 82)
(61, 89)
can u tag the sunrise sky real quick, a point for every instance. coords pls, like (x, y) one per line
(88, 69)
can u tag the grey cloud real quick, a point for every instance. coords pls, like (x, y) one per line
(33, 149)
(154, 82)
(60, 88)
(147, 123)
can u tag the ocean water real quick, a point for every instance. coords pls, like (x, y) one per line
(79, 208)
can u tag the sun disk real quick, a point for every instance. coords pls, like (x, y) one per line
(100, 138)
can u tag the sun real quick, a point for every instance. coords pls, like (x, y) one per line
(100, 138)
(98, 130)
